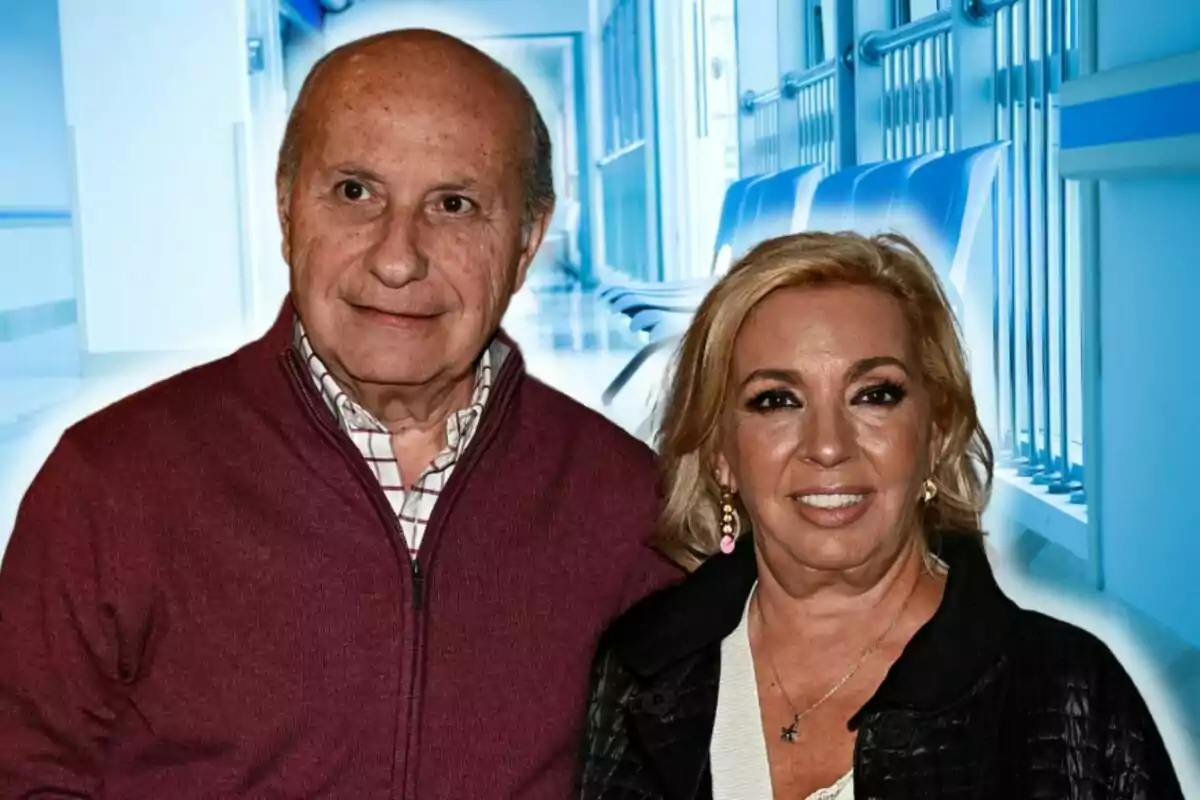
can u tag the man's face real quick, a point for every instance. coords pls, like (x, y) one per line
(404, 229)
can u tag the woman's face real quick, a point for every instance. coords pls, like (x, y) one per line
(827, 435)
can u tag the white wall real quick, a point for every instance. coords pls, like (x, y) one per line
(37, 258)
(155, 91)
(1147, 285)
(465, 19)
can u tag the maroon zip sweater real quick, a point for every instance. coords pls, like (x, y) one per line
(206, 595)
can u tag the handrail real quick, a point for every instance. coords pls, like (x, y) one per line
(982, 10)
(874, 45)
(617, 154)
(790, 85)
(17, 217)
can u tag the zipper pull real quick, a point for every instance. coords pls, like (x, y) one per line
(418, 584)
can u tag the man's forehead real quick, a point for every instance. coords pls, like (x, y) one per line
(400, 133)
(420, 70)
(423, 106)
(412, 160)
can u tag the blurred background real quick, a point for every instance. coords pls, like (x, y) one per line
(1045, 152)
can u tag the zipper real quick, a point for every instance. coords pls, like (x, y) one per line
(505, 381)
(412, 622)
(489, 424)
(418, 578)
(353, 459)
(505, 378)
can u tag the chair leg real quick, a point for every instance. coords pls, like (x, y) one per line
(635, 363)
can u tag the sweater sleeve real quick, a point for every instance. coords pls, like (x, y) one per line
(648, 569)
(58, 643)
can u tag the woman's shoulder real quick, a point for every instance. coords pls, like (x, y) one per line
(1070, 688)
(1073, 671)
(681, 621)
(1053, 643)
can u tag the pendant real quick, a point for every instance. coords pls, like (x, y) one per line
(789, 733)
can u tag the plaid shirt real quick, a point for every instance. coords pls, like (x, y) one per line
(374, 441)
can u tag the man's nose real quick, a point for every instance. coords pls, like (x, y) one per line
(827, 439)
(397, 256)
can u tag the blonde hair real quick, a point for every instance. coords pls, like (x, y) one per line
(689, 527)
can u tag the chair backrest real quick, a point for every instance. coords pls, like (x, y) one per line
(731, 211)
(785, 196)
(945, 200)
(833, 201)
(742, 238)
(880, 190)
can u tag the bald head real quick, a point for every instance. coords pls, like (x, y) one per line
(431, 69)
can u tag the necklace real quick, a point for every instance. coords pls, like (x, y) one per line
(789, 732)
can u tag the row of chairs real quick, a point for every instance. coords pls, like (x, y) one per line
(935, 199)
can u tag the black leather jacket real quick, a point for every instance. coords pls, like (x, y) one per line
(988, 701)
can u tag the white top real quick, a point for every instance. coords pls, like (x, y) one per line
(740, 770)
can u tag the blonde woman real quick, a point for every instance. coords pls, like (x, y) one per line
(841, 634)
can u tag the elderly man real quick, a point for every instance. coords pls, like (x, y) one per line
(365, 556)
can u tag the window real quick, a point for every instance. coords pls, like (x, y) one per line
(814, 34)
(712, 147)
(1038, 324)
(715, 50)
(905, 11)
(623, 74)
(627, 169)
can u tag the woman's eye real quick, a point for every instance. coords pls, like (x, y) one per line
(773, 399)
(354, 191)
(883, 394)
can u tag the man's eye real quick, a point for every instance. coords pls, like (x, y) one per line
(354, 191)
(454, 204)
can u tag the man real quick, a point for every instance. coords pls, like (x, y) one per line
(365, 556)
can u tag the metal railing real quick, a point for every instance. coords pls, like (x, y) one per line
(1038, 326)
(918, 111)
(760, 139)
(810, 97)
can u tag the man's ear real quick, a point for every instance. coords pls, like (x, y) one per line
(283, 210)
(532, 234)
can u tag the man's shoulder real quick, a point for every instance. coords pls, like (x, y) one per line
(566, 419)
(169, 408)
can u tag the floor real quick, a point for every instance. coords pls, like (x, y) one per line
(572, 343)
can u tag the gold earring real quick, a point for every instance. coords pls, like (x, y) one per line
(731, 525)
(929, 490)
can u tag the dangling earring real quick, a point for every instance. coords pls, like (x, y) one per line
(731, 525)
(929, 490)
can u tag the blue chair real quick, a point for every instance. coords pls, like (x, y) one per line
(785, 202)
(772, 205)
(833, 201)
(769, 208)
(681, 298)
(733, 210)
(878, 191)
(945, 200)
(738, 211)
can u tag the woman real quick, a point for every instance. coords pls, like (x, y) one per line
(841, 634)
